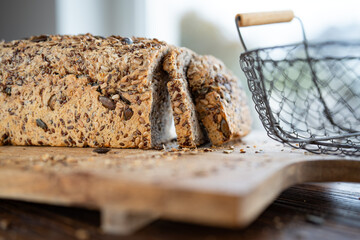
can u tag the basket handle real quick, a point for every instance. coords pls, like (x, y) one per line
(261, 18)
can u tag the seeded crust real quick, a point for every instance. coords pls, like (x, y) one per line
(219, 100)
(84, 91)
(188, 130)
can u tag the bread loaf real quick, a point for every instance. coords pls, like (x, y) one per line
(115, 92)
(84, 91)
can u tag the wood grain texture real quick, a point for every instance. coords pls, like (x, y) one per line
(337, 204)
(213, 188)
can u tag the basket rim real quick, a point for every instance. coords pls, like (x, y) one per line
(309, 44)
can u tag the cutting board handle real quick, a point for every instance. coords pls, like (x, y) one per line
(253, 204)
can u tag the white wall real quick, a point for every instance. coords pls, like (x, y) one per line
(101, 17)
(317, 15)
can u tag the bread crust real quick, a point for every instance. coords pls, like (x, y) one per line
(86, 90)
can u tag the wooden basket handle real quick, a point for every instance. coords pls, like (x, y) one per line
(261, 18)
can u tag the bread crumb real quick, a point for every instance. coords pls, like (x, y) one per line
(228, 151)
(174, 150)
(208, 150)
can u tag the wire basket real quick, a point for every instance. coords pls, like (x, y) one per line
(307, 95)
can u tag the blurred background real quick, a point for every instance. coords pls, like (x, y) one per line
(205, 26)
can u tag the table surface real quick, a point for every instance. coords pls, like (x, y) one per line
(307, 211)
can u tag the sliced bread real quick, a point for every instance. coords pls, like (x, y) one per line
(188, 130)
(219, 100)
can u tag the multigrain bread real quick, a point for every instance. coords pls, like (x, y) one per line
(220, 101)
(114, 92)
(188, 130)
(84, 91)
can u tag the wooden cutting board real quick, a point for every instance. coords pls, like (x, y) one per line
(220, 187)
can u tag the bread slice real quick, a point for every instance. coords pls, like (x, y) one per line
(188, 130)
(84, 91)
(220, 102)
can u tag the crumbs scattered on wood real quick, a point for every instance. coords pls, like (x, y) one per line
(208, 150)
(57, 158)
(101, 150)
(173, 150)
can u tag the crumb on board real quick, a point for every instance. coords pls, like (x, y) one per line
(207, 150)
(227, 151)
(101, 150)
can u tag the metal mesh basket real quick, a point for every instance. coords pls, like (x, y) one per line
(308, 95)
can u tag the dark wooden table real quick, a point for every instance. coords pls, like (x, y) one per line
(308, 211)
